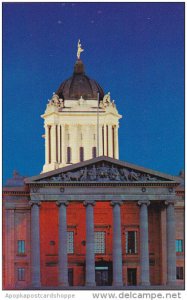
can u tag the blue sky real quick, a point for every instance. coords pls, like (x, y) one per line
(134, 50)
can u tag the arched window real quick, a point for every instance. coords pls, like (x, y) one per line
(81, 154)
(68, 155)
(94, 152)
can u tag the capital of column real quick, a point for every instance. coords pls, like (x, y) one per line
(146, 202)
(31, 203)
(62, 202)
(169, 202)
(113, 203)
(87, 202)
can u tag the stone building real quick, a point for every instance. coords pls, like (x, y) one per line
(90, 219)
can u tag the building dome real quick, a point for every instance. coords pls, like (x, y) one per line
(79, 85)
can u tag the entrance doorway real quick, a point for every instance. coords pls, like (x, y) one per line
(131, 276)
(103, 273)
(70, 276)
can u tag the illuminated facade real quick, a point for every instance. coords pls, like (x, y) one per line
(90, 219)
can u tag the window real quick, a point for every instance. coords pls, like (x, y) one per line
(21, 274)
(179, 245)
(179, 273)
(68, 155)
(131, 242)
(99, 241)
(70, 242)
(70, 276)
(93, 152)
(21, 247)
(81, 154)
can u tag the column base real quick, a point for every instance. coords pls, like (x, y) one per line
(146, 283)
(64, 284)
(171, 283)
(117, 284)
(36, 285)
(90, 284)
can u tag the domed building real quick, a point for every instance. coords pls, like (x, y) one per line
(80, 85)
(81, 122)
(90, 220)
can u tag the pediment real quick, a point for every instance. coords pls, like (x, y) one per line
(102, 169)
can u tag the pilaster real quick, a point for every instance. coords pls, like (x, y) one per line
(35, 244)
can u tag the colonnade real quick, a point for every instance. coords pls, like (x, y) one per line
(117, 244)
(59, 137)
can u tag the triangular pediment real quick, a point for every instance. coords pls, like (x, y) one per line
(103, 169)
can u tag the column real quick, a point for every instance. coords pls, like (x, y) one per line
(105, 141)
(100, 141)
(87, 132)
(117, 247)
(53, 144)
(35, 244)
(74, 143)
(110, 141)
(171, 250)
(90, 250)
(144, 243)
(163, 240)
(63, 146)
(59, 143)
(46, 144)
(62, 245)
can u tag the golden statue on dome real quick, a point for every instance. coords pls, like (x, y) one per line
(79, 49)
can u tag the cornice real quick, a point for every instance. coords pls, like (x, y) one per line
(101, 184)
(18, 193)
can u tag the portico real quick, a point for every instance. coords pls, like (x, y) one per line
(65, 187)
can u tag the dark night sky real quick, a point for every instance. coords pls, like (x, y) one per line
(134, 50)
